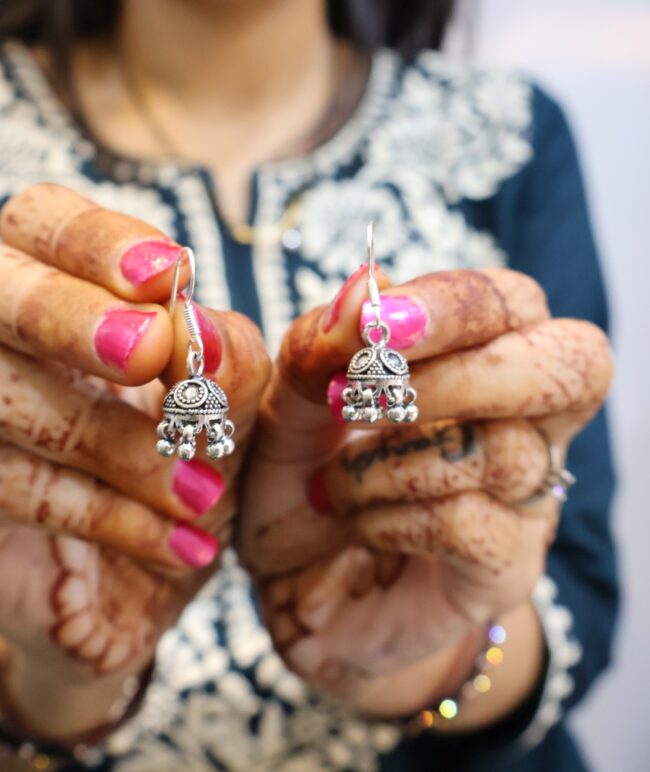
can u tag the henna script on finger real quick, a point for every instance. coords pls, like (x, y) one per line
(455, 442)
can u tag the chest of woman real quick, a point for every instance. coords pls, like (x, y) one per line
(425, 156)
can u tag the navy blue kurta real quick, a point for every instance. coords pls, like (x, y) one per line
(459, 167)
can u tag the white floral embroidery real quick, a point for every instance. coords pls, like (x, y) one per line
(564, 652)
(295, 729)
(30, 152)
(334, 214)
(452, 133)
(38, 143)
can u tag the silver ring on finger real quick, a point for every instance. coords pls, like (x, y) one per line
(557, 481)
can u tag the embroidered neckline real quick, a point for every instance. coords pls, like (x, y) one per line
(334, 151)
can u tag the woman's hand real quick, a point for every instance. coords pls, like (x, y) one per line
(102, 541)
(380, 554)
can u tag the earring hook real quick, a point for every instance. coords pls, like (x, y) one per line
(195, 361)
(189, 287)
(373, 287)
(370, 236)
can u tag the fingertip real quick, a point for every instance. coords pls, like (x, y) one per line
(153, 350)
(212, 345)
(322, 340)
(195, 547)
(407, 318)
(209, 324)
(134, 342)
(332, 312)
(146, 268)
(318, 494)
(335, 396)
(197, 485)
(342, 314)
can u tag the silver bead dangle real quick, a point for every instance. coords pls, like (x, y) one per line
(378, 377)
(196, 403)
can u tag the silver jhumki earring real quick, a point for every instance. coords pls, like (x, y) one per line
(378, 376)
(196, 403)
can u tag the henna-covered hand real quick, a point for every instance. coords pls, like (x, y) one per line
(102, 541)
(375, 549)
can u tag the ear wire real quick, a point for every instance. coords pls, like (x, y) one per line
(188, 289)
(373, 287)
(195, 362)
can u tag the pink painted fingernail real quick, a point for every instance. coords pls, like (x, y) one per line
(318, 495)
(119, 333)
(406, 319)
(331, 315)
(196, 547)
(334, 395)
(197, 485)
(211, 342)
(147, 259)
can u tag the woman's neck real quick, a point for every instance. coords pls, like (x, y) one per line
(229, 83)
(236, 55)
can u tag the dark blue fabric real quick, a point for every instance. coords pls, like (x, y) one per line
(238, 260)
(546, 232)
(557, 753)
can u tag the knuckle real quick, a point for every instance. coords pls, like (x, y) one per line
(587, 354)
(516, 458)
(482, 532)
(521, 294)
(572, 363)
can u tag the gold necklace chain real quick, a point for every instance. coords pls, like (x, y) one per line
(270, 233)
(241, 232)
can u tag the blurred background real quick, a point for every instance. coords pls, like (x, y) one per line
(594, 56)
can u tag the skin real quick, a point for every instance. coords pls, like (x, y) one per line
(381, 602)
(275, 62)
